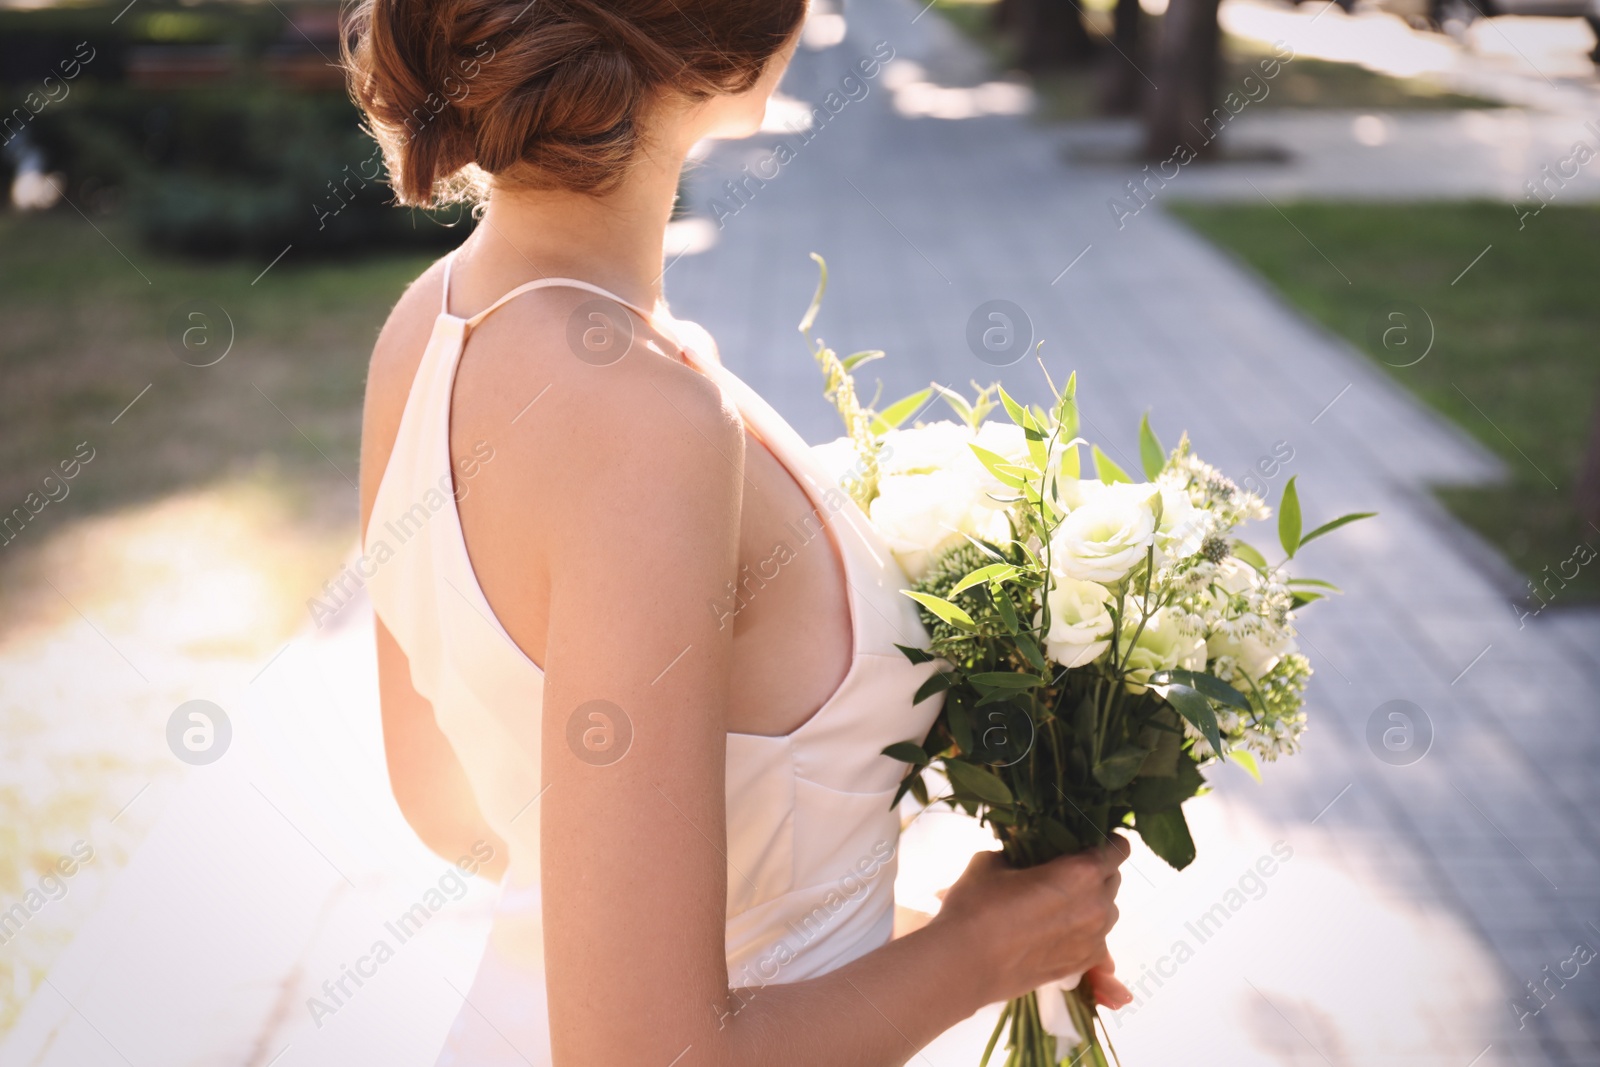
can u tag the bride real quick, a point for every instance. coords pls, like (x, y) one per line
(633, 644)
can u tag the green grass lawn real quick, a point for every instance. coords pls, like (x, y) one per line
(1514, 361)
(87, 331)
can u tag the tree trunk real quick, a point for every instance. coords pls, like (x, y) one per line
(1050, 34)
(1589, 477)
(1122, 86)
(1181, 110)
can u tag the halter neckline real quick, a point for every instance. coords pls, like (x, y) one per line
(545, 283)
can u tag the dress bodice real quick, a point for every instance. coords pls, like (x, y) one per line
(812, 838)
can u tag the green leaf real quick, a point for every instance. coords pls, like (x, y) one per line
(1151, 454)
(1030, 652)
(997, 465)
(956, 401)
(1289, 520)
(1037, 450)
(857, 359)
(816, 301)
(917, 655)
(1163, 793)
(1250, 555)
(986, 548)
(1163, 736)
(1302, 598)
(1167, 835)
(1006, 679)
(1317, 582)
(942, 609)
(1071, 466)
(1244, 758)
(919, 789)
(936, 683)
(1329, 527)
(907, 752)
(977, 782)
(1007, 610)
(905, 787)
(901, 410)
(991, 572)
(960, 723)
(1118, 769)
(1063, 841)
(1196, 709)
(1018, 413)
(1067, 408)
(1209, 684)
(1105, 469)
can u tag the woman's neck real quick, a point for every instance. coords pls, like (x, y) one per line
(614, 241)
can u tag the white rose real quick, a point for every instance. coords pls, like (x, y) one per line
(1106, 537)
(1080, 625)
(1162, 645)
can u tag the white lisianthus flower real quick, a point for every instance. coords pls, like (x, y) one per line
(1182, 527)
(1237, 576)
(1080, 624)
(922, 515)
(1254, 653)
(929, 446)
(1108, 535)
(1162, 645)
(1005, 438)
(1074, 493)
(933, 490)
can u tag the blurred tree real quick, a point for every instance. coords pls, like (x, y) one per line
(1188, 56)
(1049, 34)
(1122, 86)
(1589, 475)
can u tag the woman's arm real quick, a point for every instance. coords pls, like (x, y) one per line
(640, 535)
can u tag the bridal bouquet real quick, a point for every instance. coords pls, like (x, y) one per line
(1101, 639)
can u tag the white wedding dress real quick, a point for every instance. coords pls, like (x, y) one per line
(812, 840)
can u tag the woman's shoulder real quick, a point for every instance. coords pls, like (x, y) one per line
(530, 377)
(528, 385)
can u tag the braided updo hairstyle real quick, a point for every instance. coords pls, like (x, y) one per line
(547, 93)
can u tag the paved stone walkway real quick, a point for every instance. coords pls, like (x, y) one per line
(1417, 899)
(1487, 850)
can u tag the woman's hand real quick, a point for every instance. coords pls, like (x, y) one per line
(1038, 924)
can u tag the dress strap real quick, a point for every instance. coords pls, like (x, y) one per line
(547, 283)
(568, 283)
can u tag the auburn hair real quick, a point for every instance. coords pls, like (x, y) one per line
(547, 93)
